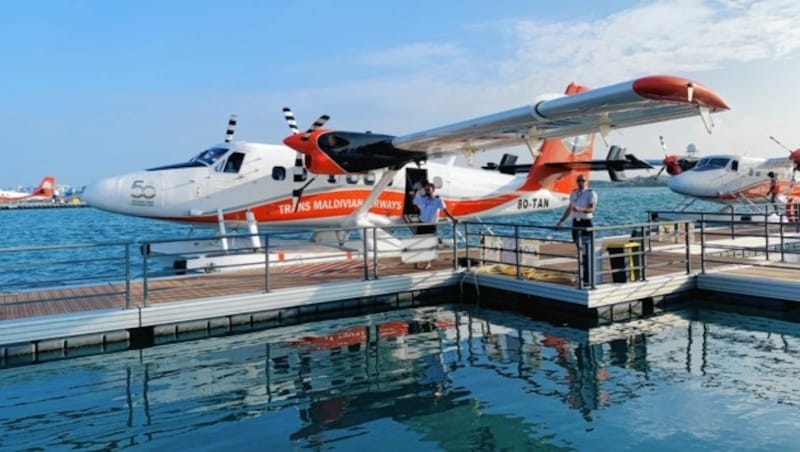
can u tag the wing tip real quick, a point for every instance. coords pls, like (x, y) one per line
(677, 89)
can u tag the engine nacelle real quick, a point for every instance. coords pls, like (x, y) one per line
(319, 162)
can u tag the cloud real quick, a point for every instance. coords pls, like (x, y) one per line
(414, 55)
(684, 36)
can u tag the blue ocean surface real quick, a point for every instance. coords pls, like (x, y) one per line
(453, 377)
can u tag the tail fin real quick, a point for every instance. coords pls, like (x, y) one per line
(45, 187)
(547, 173)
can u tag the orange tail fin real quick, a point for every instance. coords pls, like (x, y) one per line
(545, 172)
(45, 187)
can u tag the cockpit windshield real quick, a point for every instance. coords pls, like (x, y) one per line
(710, 163)
(209, 156)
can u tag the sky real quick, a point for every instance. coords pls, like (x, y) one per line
(92, 89)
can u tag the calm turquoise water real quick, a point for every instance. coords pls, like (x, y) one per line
(427, 379)
(448, 378)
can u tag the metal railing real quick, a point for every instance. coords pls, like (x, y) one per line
(66, 278)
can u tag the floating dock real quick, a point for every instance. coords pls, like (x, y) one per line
(611, 278)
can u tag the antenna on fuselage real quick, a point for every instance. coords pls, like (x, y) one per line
(231, 129)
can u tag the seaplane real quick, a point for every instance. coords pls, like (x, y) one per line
(324, 178)
(742, 184)
(42, 192)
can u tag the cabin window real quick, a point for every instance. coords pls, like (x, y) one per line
(352, 178)
(278, 173)
(333, 179)
(369, 178)
(437, 182)
(234, 163)
(735, 165)
(750, 172)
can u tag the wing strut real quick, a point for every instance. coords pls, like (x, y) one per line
(359, 216)
(705, 115)
(534, 145)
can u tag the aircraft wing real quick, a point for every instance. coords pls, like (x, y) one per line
(640, 101)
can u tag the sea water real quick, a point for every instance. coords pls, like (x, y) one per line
(438, 378)
(447, 378)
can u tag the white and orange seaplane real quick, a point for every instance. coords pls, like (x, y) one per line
(43, 192)
(327, 178)
(741, 183)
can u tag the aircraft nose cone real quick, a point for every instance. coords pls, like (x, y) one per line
(101, 194)
(676, 184)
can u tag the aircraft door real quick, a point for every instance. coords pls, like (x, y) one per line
(414, 179)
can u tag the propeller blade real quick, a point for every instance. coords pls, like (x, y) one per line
(231, 128)
(317, 124)
(779, 143)
(663, 146)
(661, 170)
(289, 117)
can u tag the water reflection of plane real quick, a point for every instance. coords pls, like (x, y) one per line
(428, 370)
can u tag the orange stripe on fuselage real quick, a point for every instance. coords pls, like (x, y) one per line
(319, 206)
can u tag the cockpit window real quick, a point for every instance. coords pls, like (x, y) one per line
(209, 156)
(710, 163)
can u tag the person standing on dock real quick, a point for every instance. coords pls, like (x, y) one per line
(582, 204)
(773, 189)
(429, 207)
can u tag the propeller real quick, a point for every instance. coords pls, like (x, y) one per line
(794, 155)
(300, 173)
(317, 124)
(231, 128)
(671, 162)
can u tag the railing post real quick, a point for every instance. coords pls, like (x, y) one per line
(375, 252)
(688, 249)
(466, 247)
(455, 246)
(581, 246)
(266, 263)
(766, 235)
(516, 250)
(782, 238)
(365, 254)
(592, 258)
(702, 244)
(127, 275)
(145, 255)
(643, 257)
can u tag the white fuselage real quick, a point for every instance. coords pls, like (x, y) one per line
(730, 178)
(260, 179)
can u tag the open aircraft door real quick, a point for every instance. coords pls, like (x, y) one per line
(414, 179)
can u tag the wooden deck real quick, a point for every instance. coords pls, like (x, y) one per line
(667, 257)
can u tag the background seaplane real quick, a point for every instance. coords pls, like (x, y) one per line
(42, 192)
(327, 178)
(741, 181)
